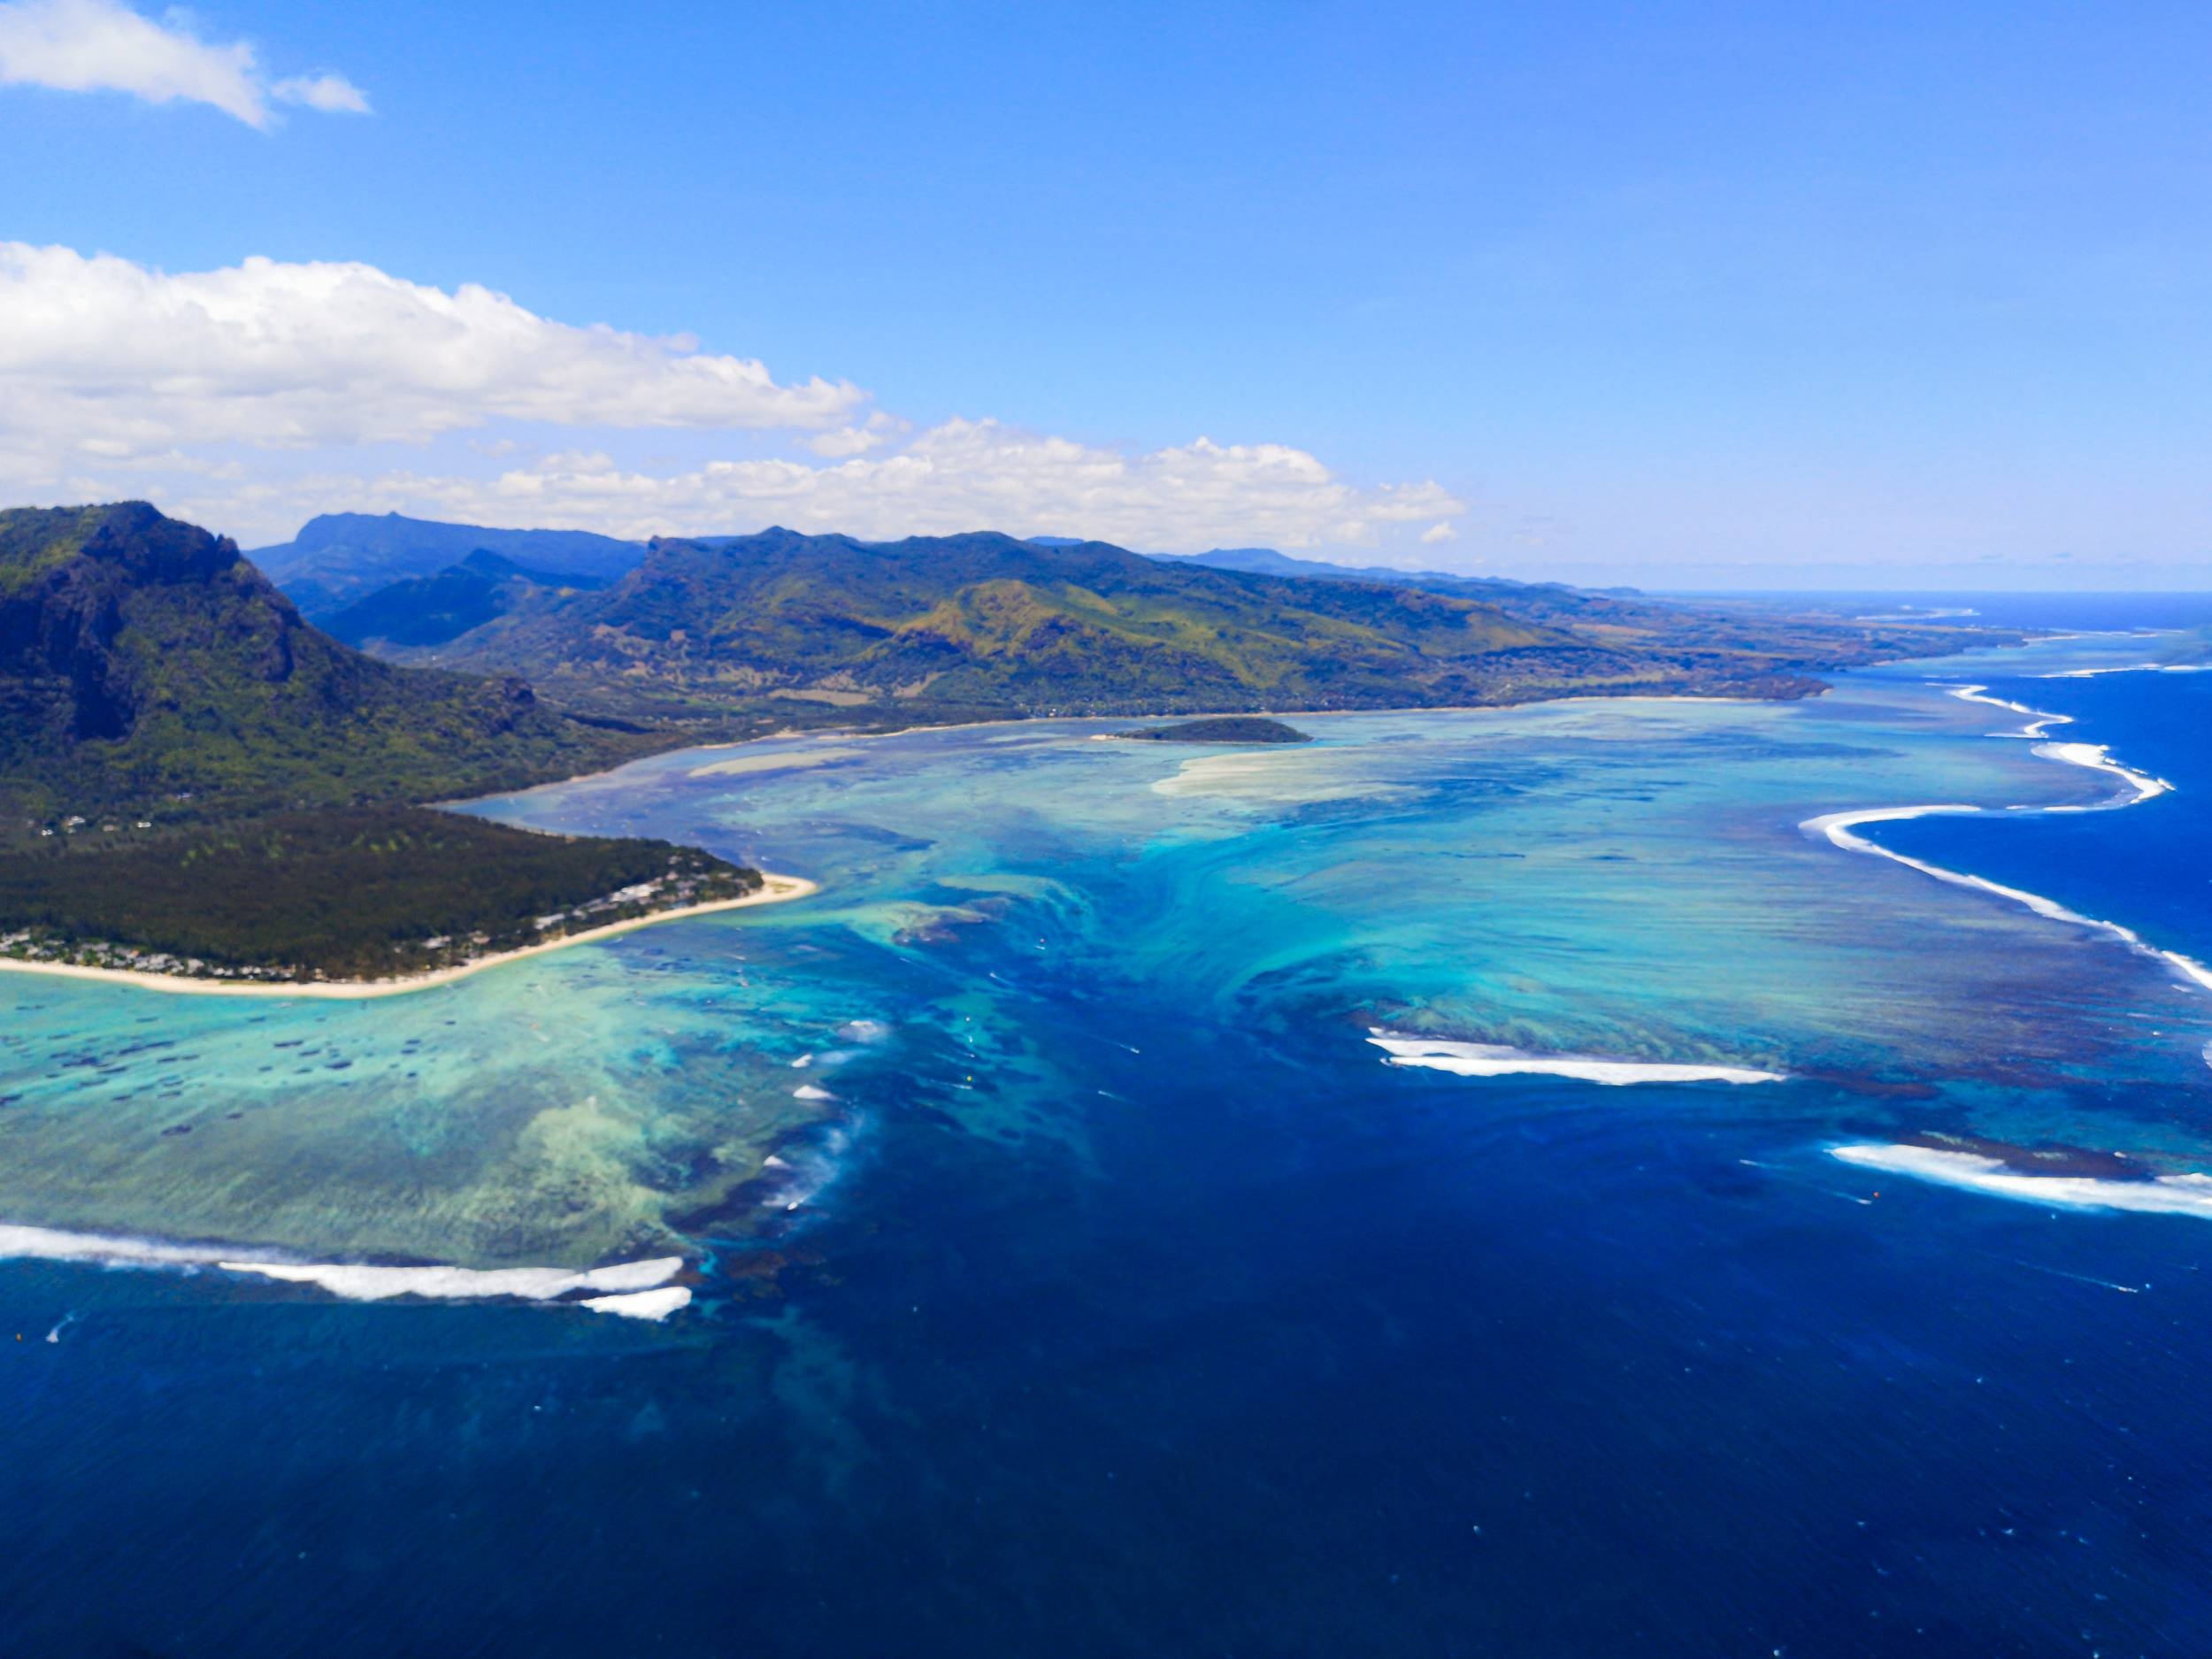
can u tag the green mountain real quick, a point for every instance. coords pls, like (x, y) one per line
(146, 667)
(194, 778)
(431, 610)
(960, 627)
(343, 556)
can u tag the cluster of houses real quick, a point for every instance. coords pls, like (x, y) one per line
(31, 945)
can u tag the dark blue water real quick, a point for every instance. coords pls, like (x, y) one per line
(1283, 1373)
(1273, 1352)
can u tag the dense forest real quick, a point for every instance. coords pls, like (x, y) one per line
(352, 893)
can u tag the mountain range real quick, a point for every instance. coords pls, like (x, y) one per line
(986, 625)
(191, 768)
(343, 556)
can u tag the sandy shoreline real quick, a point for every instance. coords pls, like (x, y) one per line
(773, 890)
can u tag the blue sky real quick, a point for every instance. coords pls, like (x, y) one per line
(1705, 295)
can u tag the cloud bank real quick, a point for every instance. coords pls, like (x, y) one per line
(120, 361)
(254, 397)
(104, 46)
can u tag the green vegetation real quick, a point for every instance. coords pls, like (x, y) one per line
(1231, 728)
(189, 768)
(153, 680)
(147, 669)
(348, 893)
(731, 637)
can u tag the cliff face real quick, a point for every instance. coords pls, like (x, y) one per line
(76, 580)
(144, 663)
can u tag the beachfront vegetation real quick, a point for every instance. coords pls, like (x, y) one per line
(344, 894)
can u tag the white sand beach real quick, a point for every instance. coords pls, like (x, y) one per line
(773, 890)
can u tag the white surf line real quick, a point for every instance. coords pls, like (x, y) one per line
(1838, 827)
(2164, 1194)
(1493, 1059)
(638, 1290)
(2096, 756)
(2129, 668)
(2037, 723)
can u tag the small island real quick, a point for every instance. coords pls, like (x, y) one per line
(1227, 729)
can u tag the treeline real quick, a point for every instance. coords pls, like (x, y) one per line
(360, 893)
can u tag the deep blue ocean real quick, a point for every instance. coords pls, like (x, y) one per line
(1217, 1337)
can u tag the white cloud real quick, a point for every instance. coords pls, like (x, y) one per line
(1438, 534)
(106, 46)
(100, 356)
(962, 475)
(333, 95)
(847, 441)
(254, 397)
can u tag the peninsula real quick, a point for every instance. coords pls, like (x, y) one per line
(198, 785)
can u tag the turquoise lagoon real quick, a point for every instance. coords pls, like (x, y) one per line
(1074, 1273)
(1623, 879)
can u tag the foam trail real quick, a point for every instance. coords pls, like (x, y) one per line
(2079, 1279)
(1837, 828)
(2165, 1194)
(354, 1281)
(1491, 1059)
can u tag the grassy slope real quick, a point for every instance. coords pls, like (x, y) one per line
(974, 625)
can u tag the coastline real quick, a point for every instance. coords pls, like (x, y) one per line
(774, 889)
(843, 733)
